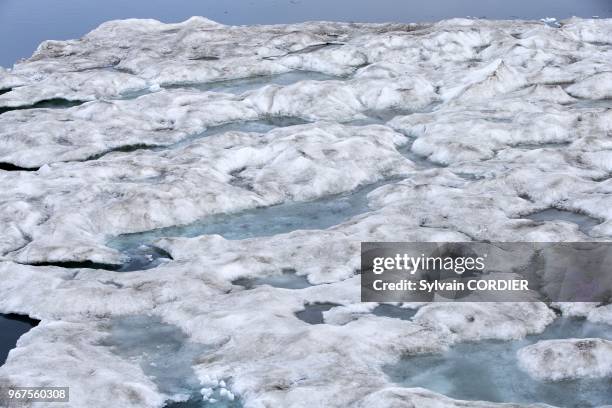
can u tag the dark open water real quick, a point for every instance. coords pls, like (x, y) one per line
(11, 328)
(26, 23)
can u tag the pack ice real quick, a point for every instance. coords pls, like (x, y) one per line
(266, 154)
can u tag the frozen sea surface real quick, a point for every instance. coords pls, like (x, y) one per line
(501, 118)
(488, 371)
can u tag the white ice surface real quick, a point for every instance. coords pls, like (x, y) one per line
(557, 360)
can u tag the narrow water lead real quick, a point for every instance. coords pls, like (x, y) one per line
(265, 221)
(12, 327)
(56, 103)
(488, 371)
(239, 86)
(584, 222)
(166, 356)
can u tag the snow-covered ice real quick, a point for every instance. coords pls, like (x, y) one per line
(208, 186)
(567, 359)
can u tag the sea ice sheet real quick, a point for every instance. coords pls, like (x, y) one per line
(232, 172)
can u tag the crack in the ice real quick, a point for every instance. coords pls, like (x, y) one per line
(240, 181)
(28, 240)
(123, 149)
(204, 58)
(112, 283)
(533, 146)
(13, 167)
(54, 103)
(76, 265)
(603, 178)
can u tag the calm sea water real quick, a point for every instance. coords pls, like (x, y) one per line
(11, 328)
(26, 23)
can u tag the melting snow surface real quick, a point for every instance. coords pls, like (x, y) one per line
(232, 173)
